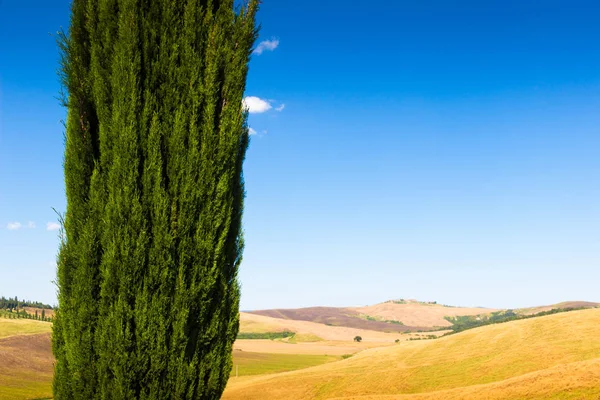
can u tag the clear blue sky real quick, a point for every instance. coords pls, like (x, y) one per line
(424, 150)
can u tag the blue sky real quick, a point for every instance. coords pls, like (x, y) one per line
(405, 150)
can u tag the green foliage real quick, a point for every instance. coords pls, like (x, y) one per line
(345, 356)
(397, 341)
(10, 303)
(357, 339)
(464, 322)
(151, 240)
(265, 335)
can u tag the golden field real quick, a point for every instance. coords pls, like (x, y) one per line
(551, 357)
(556, 356)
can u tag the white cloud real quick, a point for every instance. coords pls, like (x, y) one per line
(251, 131)
(31, 224)
(266, 45)
(52, 226)
(280, 108)
(256, 105)
(13, 226)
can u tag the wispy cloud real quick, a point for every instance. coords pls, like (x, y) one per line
(256, 105)
(251, 131)
(266, 45)
(52, 226)
(280, 108)
(13, 226)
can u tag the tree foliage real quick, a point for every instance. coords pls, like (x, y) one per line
(151, 242)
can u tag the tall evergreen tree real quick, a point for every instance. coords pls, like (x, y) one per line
(151, 243)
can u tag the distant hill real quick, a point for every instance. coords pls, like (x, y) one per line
(555, 356)
(400, 315)
(347, 317)
(564, 304)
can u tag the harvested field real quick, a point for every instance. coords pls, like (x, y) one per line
(27, 367)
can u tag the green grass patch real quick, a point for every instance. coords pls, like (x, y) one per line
(265, 335)
(249, 363)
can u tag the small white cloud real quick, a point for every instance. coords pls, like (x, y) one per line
(251, 131)
(52, 226)
(266, 45)
(256, 105)
(13, 226)
(31, 224)
(280, 108)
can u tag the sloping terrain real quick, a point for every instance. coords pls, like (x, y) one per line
(26, 366)
(11, 327)
(338, 317)
(259, 323)
(556, 356)
(418, 313)
(563, 305)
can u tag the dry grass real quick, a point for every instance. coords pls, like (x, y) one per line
(419, 314)
(336, 348)
(557, 356)
(249, 363)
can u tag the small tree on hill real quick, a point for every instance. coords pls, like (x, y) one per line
(357, 338)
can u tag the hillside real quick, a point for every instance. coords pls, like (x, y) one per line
(390, 316)
(401, 316)
(26, 361)
(556, 356)
(334, 316)
(259, 323)
(564, 304)
(416, 313)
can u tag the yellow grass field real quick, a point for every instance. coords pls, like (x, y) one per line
(552, 357)
(11, 327)
(249, 363)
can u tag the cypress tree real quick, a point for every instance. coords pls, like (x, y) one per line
(151, 242)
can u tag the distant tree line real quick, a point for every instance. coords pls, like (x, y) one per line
(21, 313)
(11, 303)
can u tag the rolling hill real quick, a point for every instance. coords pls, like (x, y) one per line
(390, 316)
(556, 356)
